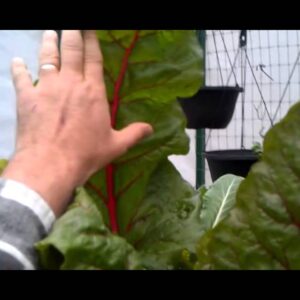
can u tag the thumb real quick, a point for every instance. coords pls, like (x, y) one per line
(131, 135)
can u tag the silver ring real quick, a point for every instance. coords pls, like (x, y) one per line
(48, 67)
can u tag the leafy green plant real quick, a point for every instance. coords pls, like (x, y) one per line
(263, 229)
(145, 72)
(257, 149)
(139, 213)
(161, 220)
(171, 219)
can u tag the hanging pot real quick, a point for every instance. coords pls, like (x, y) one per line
(237, 162)
(212, 107)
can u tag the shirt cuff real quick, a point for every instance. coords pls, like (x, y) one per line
(20, 193)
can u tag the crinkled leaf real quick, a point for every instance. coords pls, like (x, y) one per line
(168, 220)
(81, 240)
(263, 230)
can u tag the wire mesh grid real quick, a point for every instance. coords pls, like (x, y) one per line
(271, 81)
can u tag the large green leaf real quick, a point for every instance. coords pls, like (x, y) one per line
(263, 230)
(158, 66)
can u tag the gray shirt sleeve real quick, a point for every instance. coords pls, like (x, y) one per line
(25, 218)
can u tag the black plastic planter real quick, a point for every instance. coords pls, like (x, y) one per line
(237, 162)
(212, 107)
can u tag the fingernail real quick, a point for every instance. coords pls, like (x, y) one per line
(148, 130)
(18, 60)
(50, 34)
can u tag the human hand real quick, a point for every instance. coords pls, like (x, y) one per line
(64, 129)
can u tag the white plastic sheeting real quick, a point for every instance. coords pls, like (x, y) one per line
(25, 44)
(186, 164)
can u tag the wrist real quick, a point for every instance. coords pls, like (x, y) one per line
(47, 172)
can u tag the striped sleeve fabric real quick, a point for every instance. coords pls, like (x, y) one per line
(25, 218)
